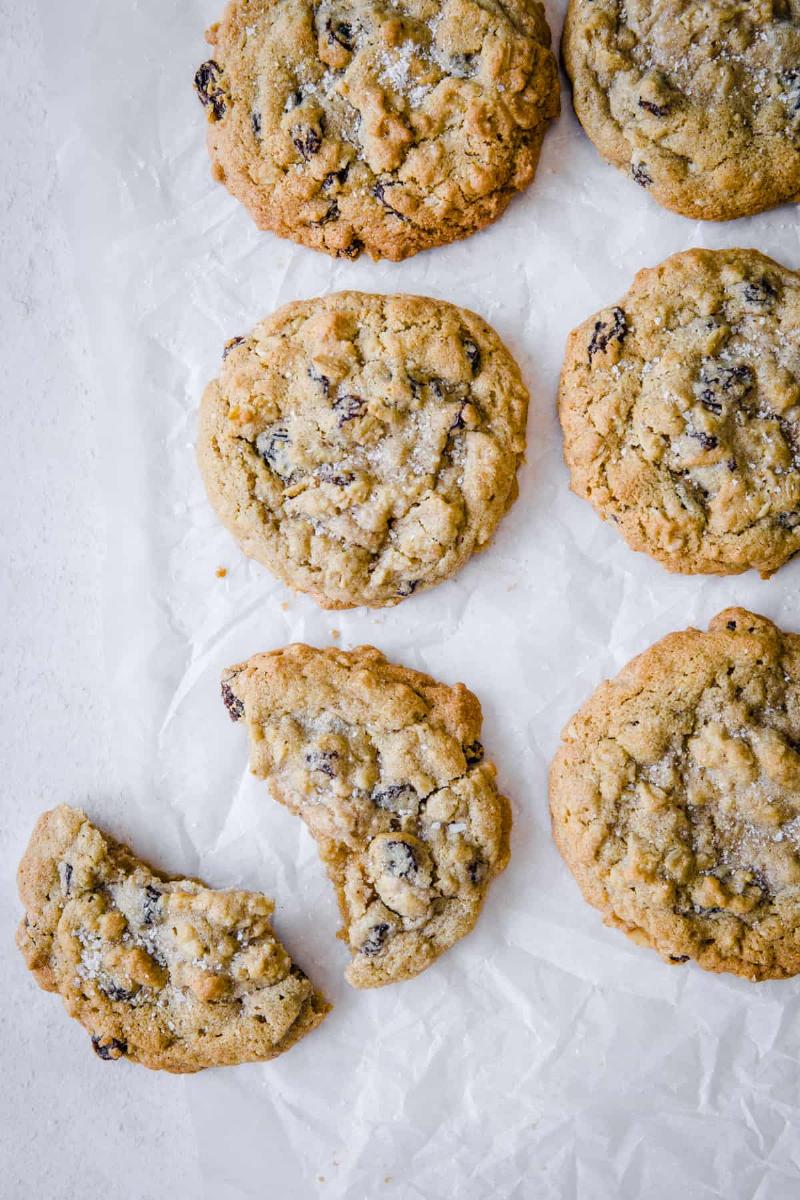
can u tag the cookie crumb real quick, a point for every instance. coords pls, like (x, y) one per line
(222, 572)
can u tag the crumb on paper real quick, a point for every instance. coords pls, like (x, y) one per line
(285, 606)
(336, 634)
(222, 572)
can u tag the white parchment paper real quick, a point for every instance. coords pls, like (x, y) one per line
(544, 1056)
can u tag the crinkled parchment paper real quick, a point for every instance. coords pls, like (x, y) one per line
(545, 1056)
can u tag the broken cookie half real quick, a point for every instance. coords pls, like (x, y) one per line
(165, 972)
(385, 767)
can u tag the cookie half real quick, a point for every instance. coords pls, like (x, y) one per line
(681, 412)
(164, 972)
(364, 447)
(385, 127)
(385, 767)
(675, 798)
(699, 103)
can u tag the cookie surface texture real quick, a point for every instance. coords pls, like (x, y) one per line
(385, 767)
(364, 447)
(163, 972)
(377, 126)
(675, 798)
(680, 407)
(698, 102)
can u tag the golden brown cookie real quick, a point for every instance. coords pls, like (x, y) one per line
(385, 767)
(164, 972)
(385, 125)
(364, 447)
(681, 412)
(675, 798)
(699, 102)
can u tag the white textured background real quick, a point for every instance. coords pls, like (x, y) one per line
(544, 1057)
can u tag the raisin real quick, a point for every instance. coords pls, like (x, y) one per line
(399, 860)
(387, 797)
(761, 293)
(473, 753)
(336, 177)
(718, 383)
(641, 174)
(474, 355)
(233, 704)
(319, 378)
(271, 446)
(706, 440)
(379, 192)
(791, 81)
(67, 877)
(679, 958)
(109, 1049)
(324, 761)
(462, 66)
(606, 332)
(231, 345)
(327, 473)
(255, 121)
(306, 141)
(789, 520)
(407, 587)
(347, 408)
(658, 110)
(760, 881)
(117, 993)
(458, 419)
(341, 33)
(375, 940)
(152, 896)
(351, 251)
(477, 871)
(206, 82)
(332, 214)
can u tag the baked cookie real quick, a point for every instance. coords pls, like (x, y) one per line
(675, 798)
(363, 447)
(699, 102)
(161, 971)
(681, 412)
(385, 767)
(385, 125)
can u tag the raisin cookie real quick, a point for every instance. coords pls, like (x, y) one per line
(385, 767)
(698, 101)
(675, 798)
(161, 971)
(681, 412)
(385, 125)
(363, 447)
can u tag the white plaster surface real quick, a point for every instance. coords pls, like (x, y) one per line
(69, 1130)
(545, 1057)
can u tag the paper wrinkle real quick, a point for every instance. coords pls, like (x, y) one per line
(545, 1056)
